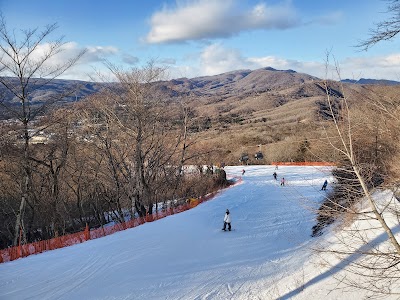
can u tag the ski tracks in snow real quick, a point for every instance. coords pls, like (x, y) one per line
(185, 256)
(71, 281)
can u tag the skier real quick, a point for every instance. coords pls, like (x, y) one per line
(283, 181)
(227, 220)
(274, 175)
(243, 171)
(324, 185)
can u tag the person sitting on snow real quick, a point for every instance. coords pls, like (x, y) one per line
(227, 221)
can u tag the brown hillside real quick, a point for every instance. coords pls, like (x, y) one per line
(268, 110)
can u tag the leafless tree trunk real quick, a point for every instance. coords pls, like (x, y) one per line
(24, 69)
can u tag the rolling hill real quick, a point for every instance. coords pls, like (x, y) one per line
(242, 111)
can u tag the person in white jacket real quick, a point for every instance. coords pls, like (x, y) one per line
(227, 221)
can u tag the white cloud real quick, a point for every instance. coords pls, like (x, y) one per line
(205, 19)
(91, 62)
(92, 59)
(130, 59)
(99, 53)
(388, 61)
(376, 67)
(216, 59)
(72, 49)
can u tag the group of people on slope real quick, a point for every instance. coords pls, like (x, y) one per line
(276, 178)
(227, 217)
(325, 184)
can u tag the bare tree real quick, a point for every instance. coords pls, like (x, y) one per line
(345, 133)
(25, 67)
(366, 147)
(385, 30)
(50, 161)
(142, 119)
(109, 142)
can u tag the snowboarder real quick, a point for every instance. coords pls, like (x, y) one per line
(324, 185)
(227, 221)
(275, 175)
(243, 171)
(276, 167)
(283, 181)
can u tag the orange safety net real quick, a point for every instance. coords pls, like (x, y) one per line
(13, 253)
(16, 252)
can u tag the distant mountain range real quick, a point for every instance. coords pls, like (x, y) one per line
(41, 92)
(240, 84)
(238, 111)
(372, 81)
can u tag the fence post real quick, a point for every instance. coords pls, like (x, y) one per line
(87, 233)
(149, 218)
(19, 244)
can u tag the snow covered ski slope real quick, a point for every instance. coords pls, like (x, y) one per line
(187, 256)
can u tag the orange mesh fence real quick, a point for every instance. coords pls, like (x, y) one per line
(12, 253)
(304, 163)
(16, 252)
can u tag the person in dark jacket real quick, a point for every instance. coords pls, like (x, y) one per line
(324, 185)
(227, 221)
(275, 175)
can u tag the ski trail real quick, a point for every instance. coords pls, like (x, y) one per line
(186, 255)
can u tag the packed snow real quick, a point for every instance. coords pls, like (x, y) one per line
(188, 256)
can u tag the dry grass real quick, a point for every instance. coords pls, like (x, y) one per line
(279, 119)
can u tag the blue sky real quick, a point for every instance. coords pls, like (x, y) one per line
(207, 37)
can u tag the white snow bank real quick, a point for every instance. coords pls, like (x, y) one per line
(333, 272)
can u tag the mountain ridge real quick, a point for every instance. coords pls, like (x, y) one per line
(236, 82)
(237, 111)
(371, 81)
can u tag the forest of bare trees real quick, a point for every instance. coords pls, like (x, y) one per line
(113, 156)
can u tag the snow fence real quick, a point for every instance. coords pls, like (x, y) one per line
(19, 251)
